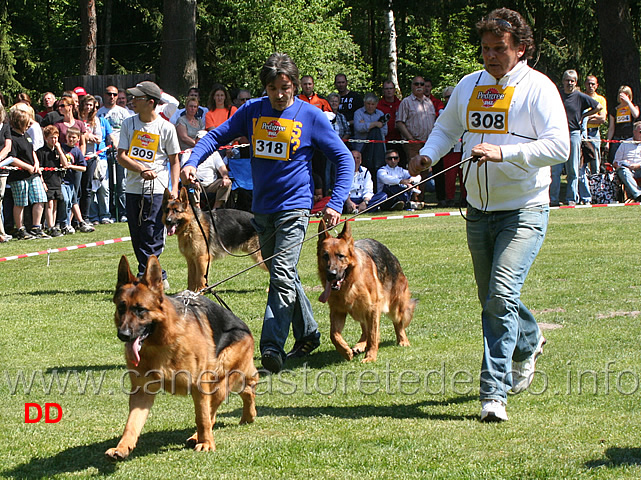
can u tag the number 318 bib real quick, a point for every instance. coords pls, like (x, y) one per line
(273, 136)
(488, 109)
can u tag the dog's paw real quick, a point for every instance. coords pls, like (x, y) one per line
(347, 354)
(116, 455)
(404, 343)
(247, 419)
(359, 348)
(192, 441)
(369, 359)
(205, 447)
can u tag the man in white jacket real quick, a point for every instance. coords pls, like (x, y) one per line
(513, 123)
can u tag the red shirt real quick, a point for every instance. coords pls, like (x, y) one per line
(391, 108)
(316, 101)
(438, 105)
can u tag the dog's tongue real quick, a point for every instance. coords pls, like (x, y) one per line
(325, 295)
(171, 230)
(133, 351)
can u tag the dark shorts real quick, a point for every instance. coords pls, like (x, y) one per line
(55, 195)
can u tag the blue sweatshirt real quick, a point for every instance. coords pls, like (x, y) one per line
(282, 147)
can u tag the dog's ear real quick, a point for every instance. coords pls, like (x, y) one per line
(153, 275)
(346, 234)
(166, 196)
(322, 226)
(184, 196)
(124, 273)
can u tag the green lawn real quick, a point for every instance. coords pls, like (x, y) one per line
(413, 414)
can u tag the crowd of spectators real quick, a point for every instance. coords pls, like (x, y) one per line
(83, 184)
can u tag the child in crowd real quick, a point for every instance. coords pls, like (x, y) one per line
(99, 208)
(50, 155)
(71, 186)
(5, 149)
(26, 183)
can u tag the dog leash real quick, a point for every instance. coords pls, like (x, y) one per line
(210, 289)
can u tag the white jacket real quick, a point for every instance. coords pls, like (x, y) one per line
(537, 138)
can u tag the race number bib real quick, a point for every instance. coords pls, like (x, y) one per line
(144, 146)
(487, 111)
(623, 114)
(275, 138)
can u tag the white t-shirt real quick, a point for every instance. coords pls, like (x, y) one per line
(208, 171)
(150, 144)
(115, 116)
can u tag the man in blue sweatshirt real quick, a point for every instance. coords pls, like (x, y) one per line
(283, 132)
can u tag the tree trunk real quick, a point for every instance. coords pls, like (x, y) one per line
(392, 54)
(619, 50)
(7, 61)
(178, 65)
(89, 33)
(106, 59)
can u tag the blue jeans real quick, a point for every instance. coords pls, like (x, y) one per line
(144, 217)
(584, 184)
(503, 246)
(594, 136)
(628, 178)
(571, 169)
(287, 303)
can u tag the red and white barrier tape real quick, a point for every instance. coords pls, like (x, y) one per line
(356, 219)
(67, 249)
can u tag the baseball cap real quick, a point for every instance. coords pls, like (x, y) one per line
(80, 91)
(150, 89)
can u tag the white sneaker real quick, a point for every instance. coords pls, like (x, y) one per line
(523, 372)
(493, 411)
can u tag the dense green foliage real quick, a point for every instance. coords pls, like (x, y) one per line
(40, 39)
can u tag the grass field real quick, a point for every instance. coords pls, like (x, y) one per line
(413, 414)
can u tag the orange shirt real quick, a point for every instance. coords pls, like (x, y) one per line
(317, 102)
(216, 117)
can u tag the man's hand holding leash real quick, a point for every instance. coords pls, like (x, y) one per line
(331, 217)
(418, 164)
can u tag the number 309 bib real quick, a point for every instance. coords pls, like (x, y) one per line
(487, 111)
(144, 146)
(273, 136)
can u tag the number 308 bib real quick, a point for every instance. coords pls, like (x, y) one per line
(273, 136)
(487, 111)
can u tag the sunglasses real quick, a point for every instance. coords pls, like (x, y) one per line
(112, 94)
(501, 22)
(391, 158)
(418, 84)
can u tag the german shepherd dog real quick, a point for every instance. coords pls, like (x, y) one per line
(184, 344)
(364, 279)
(231, 229)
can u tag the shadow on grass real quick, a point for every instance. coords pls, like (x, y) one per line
(48, 293)
(428, 409)
(83, 457)
(318, 360)
(617, 457)
(87, 368)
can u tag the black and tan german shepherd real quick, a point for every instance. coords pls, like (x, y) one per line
(182, 344)
(226, 230)
(364, 279)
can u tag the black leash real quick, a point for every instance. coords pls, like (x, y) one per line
(211, 288)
